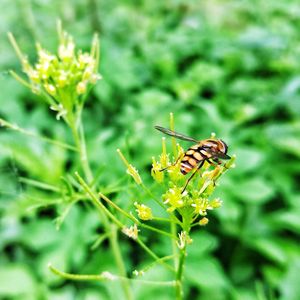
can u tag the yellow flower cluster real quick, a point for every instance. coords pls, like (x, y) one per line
(63, 77)
(196, 196)
(67, 70)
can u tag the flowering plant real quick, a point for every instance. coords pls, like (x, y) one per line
(63, 80)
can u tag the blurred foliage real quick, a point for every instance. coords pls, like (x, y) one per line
(230, 67)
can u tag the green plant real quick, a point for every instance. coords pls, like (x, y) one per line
(64, 82)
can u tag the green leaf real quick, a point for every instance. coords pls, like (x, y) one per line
(17, 280)
(289, 286)
(248, 159)
(271, 248)
(205, 272)
(255, 190)
(285, 220)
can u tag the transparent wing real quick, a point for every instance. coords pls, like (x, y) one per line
(216, 154)
(175, 134)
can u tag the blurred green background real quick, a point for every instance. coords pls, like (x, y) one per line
(229, 67)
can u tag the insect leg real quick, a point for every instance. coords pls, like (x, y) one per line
(174, 164)
(214, 162)
(189, 179)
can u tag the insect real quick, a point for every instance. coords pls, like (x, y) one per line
(210, 150)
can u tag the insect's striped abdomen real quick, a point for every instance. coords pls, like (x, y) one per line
(192, 157)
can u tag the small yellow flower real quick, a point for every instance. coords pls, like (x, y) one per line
(174, 172)
(200, 205)
(85, 59)
(81, 88)
(131, 170)
(156, 172)
(164, 157)
(204, 221)
(134, 173)
(88, 72)
(50, 88)
(33, 75)
(174, 198)
(131, 231)
(94, 78)
(66, 50)
(144, 212)
(215, 203)
(62, 79)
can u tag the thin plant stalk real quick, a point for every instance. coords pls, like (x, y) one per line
(173, 227)
(106, 276)
(78, 136)
(112, 236)
(179, 274)
(107, 214)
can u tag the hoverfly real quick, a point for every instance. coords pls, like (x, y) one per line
(210, 150)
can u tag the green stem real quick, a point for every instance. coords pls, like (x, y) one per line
(172, 127)
(135, 220)
(119, 260)
(174, 246)
(79, 139)
(15, 127)
(106, 276)
(105, 214)
(183, 240)
(152, 254)
(179, 274)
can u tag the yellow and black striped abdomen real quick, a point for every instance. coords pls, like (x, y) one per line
(192, 157)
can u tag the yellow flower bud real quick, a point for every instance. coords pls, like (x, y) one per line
(50, 88)
(81, 88)
(134, 173)
(156, 172)
(66, 51)
(62, 80)
(215, 203)
(131, 170)
(204, 221)
(144, 212)
(33, 75)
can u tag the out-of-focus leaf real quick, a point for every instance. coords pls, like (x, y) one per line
(248, 159)
(40, 234)
(285, 220)
(203, 243)
(272, 274)
(271, 248)
(289, 286)
(17, 280)
(206, 272)
(255, 190)
(285, 137)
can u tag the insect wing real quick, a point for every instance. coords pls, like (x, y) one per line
(175, 134)
(216, 154)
